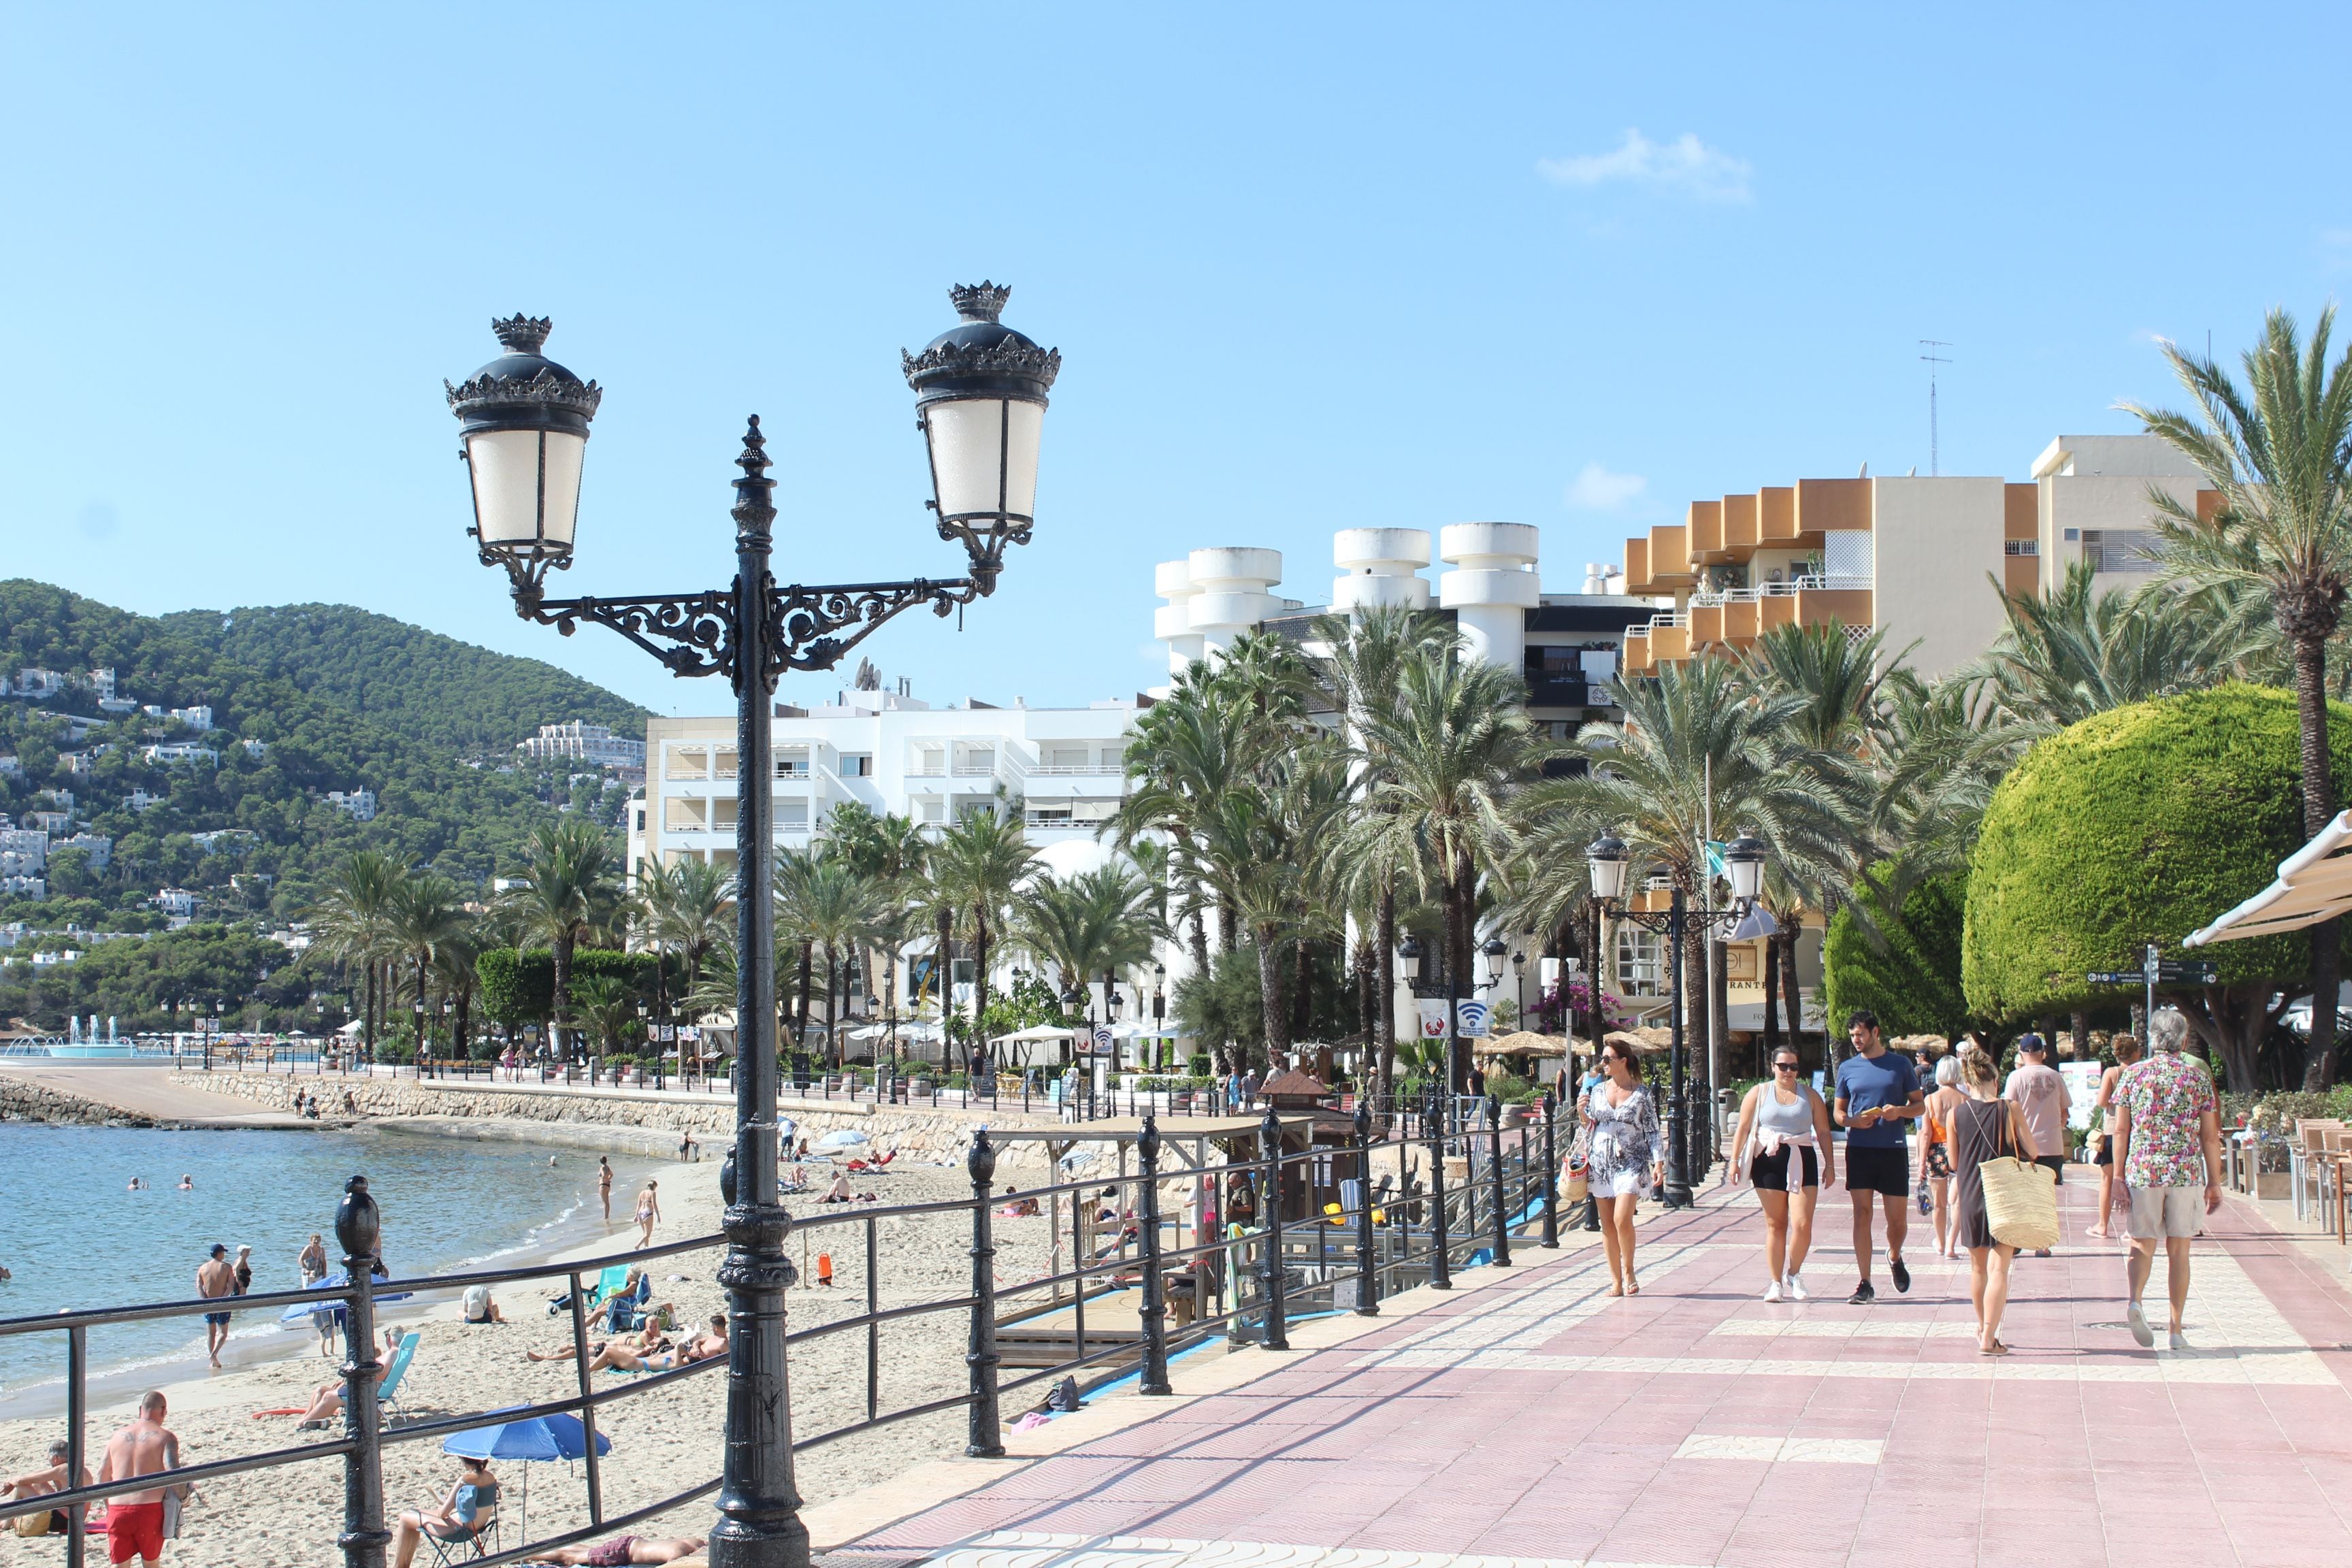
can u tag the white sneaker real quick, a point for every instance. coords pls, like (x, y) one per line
(1796, 1287)
(2136, 1321)
(1772, 1291)
(2180, 1341)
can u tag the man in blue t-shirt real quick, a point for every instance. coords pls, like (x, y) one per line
(1877, 1094)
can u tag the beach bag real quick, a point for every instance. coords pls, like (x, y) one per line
(1573, 1188)
(2021, 1199)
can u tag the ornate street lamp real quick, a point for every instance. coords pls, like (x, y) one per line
(1608, 860)
(981, 392)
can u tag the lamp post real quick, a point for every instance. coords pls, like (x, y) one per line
(979, 401)
(1608, 861)
(1409, 949)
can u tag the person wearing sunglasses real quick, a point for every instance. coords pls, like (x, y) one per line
(1783, 1144)
(1628, 1157)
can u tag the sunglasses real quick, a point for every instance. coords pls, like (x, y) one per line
(1784, 1067)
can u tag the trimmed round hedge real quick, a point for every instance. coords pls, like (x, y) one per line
(1913, 982)
(2138, 826)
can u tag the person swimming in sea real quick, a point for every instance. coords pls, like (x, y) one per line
(187, 1183)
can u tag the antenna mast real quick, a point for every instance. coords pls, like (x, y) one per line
(1933, 359)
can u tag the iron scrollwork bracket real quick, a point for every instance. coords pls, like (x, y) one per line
(806, 627)
(694, 633)
(1661, 921)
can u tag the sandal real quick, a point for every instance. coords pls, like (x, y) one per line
(1632, 1288)
(1997, 1348)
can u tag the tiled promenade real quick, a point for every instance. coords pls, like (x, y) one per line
(1537, 1419)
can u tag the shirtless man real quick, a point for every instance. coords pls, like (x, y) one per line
(40, 1483)
(144, 1448)
(604, 1185)
(215, 1278)
(624, 1549)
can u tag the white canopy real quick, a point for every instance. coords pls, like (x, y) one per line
(909, 1029)
(1039, 1032)
(2313, 884)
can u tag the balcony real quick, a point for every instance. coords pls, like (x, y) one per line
(1081, 770)
(1562, 691)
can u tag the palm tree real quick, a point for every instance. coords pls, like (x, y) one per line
(427, 914)
(1453, 749)
(983, 858)
(2063, 656)
(602, 1003)
(1189, 752)
(354, 921)
(829, 904)
(1093, 922)
(689, 909)
(2279, 454)
(568, 886)
(1368, 656)
(453, 967)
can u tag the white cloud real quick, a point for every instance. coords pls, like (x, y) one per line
(1686, 165)
(1598, 490)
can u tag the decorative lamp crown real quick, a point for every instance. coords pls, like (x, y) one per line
(522, 334)
(358, 1227)
(980, 301)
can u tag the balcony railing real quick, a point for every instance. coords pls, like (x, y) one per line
(1080, 770)
(1831, 581)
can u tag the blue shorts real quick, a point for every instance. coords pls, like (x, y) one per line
(215, 1317)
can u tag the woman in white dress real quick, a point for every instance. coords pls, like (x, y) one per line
(1628, 1158)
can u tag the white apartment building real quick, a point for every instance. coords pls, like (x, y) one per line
(578, 742)
(360, 802)
(1063, 769)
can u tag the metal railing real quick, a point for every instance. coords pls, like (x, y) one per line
(1265, 1252)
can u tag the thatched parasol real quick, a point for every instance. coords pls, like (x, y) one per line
(1525, 1043)
(1934, 1044)
(1645, 1042)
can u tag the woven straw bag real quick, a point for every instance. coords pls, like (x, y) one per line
(2021, 1199)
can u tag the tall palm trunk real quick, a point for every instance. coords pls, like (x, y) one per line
(978, 965)
(367, 1012)
(563, 1008)
(1772, 1000)
(1269, 982)
(2318, 807)
(1385, 994)
(1788, 941)
(1302, 1000)
(807, 978)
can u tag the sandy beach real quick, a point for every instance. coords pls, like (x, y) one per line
(662, 1443)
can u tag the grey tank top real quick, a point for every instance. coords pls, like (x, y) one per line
(1789, 1121)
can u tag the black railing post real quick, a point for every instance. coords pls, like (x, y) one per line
(1272, 1283)
(76, 1417)
(1502, 1207)
(1441, 1269)
(984, 1437)
(1368, 1279)
(359, 1227)
(1551, 1173)
(1155, 1313)
(587, 1379)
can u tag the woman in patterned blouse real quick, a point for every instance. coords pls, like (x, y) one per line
(1628, 1158)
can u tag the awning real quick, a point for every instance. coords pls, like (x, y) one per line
(2313, 884)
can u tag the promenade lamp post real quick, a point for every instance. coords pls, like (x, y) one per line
(1608, 861)
(979, 402)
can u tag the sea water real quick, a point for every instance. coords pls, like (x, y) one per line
(74, 1235)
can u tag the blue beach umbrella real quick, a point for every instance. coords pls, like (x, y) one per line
(558, 1437)
(302, 1310)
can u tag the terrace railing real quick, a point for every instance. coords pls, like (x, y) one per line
(1248, 1278)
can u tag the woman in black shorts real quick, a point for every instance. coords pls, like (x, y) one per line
(1784, 1142)
(2126, 1049)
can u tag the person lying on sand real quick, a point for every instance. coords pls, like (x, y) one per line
(624, 1549)
(644, 1342)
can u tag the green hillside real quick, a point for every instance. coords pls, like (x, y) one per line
(413, 682)
(287, 728)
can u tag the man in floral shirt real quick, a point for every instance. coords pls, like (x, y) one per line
(2167, 1141)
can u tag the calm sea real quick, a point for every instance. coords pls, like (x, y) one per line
(72, 1236)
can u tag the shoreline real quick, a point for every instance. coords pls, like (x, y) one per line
(558, 1237)
(662, 1443)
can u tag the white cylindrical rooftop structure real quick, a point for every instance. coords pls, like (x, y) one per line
(1230, 594)
(1493, 586)
(1380, 567)
(1171, 622)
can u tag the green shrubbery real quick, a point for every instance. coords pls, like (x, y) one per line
(1909, 972)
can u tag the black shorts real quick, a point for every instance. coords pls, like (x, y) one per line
(1882, 1170)
(1770, 1172)
(2057, 1164)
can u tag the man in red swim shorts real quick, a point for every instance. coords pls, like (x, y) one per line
(626, 1549)
(134, 1520)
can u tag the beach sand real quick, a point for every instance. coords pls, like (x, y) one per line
(662, 1442)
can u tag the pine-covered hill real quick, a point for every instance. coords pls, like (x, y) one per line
(404, 678)
(463, 815)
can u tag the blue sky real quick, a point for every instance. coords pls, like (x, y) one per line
(1310, 267)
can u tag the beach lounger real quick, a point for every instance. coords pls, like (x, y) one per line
(388, 1391)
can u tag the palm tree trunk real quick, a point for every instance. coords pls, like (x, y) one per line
(834, 1048)
(367, 1012)
(1269, 981)
(1383, 1021)
(1301, 999)
(978, 966)
(1228, 925)
(1771, 1001)
(1788, 941)
(563, 1008)
(2318, 807)
(807, 978)
(461, 1046)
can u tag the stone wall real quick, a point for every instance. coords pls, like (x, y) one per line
(23, 1101)
(917, 1132)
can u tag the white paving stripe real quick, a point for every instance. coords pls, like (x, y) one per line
(1038, 1548)
(1784, 1450)
(1844, 1329)
(2294, 1368)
